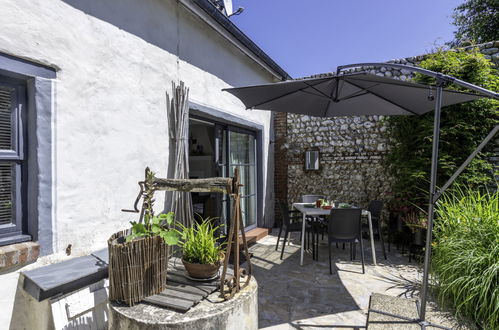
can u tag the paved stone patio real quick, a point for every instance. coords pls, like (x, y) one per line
(308, 297)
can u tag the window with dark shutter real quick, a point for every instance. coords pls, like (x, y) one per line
(12, 96)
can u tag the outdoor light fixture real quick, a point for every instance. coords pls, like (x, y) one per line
(312, 160)
(237, 12)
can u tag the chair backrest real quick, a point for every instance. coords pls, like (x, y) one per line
(344, 224)
(285, 213)
(375, 208)
(311, 198)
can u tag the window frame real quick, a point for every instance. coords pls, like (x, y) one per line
(15, 229)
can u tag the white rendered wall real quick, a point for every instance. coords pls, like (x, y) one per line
(115, 61)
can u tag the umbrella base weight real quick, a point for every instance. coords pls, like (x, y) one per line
(387, 312)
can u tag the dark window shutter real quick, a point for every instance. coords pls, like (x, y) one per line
(7, 193)
(6, 111)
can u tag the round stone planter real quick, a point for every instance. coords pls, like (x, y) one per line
(238, 313)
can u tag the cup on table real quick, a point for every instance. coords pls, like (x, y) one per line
(318, 203)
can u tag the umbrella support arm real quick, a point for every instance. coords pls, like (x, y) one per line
(465, 163)
(439, 76)
(431, 206)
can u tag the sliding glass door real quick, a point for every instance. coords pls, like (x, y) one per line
(236, 148)
(242, 155)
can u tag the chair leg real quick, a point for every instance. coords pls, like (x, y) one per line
(381, 238)
(343, 246)
(336, 244)
(351, 252)
(330, 266)
(313, 243)
(284, 244)
(362, 254)
(278, 238)
(308, 240)
(354, 250)
(317, 249)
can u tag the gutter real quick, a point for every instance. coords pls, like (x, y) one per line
(231, 31)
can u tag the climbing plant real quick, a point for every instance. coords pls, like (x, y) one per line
(463, 126)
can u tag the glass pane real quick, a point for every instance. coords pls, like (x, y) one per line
(6, 120)
(242, 148)
(242, 155)
(7, 193)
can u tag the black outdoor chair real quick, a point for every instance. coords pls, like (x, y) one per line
(375, 207)
(288, 226)
(344, 226)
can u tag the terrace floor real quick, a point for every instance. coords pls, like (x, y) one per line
(308, 297)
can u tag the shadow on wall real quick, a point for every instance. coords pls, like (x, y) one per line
(79, 309)
(29, 313)
(157, 22)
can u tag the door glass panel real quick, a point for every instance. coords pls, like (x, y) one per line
(242, 155)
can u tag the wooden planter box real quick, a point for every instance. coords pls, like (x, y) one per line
(137, 269)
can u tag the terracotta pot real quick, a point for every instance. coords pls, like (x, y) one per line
(419, 236)
(201, 271)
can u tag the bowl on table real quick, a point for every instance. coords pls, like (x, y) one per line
(327, 207)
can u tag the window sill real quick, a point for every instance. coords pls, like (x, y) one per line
(14, 239)
(16, 255)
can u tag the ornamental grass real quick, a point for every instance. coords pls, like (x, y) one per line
(465, 260)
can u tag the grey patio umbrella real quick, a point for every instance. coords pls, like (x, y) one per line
(178, 122)
(359, 93)
(351, 94)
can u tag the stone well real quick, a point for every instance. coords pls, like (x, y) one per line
(239, 313)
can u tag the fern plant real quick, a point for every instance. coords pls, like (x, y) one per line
(199, 242)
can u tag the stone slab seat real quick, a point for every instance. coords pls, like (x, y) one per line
(67, 276)
(393, 305)
(407, 309)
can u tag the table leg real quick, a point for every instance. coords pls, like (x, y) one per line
(371, 237)
(302, 239)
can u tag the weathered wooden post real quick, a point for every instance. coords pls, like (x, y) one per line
(229, 284)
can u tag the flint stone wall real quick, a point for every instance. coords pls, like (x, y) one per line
(352, 149)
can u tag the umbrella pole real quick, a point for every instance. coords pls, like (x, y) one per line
(431, 204)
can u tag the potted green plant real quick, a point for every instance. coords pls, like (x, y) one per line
(417, 223)
(202, 254)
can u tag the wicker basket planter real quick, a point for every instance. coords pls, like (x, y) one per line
(137, 269)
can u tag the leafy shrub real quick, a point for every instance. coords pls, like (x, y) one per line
(199, 242)
(463, 127)
(155, 226)
(466, 254)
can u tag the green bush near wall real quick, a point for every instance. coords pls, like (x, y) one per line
(465, 260)
(463, 126)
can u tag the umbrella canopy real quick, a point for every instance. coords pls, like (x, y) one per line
(354, 94)
(360, 93)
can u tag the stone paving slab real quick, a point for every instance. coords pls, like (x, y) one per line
(308, 297)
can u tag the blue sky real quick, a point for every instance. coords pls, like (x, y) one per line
(312, 36)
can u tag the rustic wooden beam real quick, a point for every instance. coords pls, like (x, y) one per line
(220, 185)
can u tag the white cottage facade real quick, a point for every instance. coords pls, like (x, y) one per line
(83, 86)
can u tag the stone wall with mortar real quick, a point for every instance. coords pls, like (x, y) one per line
(352, 149)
